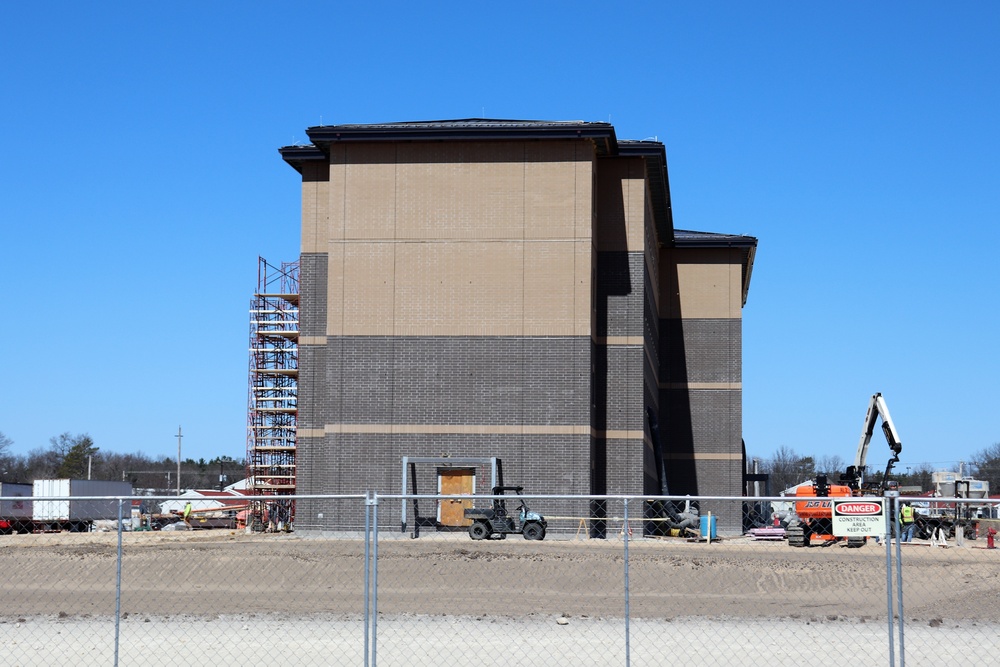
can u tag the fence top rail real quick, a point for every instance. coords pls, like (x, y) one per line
(431, 496)
(544, 496)
(651, 498)
(228, 499)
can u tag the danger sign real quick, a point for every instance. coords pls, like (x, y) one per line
(855, 517)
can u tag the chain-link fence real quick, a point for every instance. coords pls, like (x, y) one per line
(534, 580)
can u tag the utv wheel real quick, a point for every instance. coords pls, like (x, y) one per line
(479, 530)
(533, 531)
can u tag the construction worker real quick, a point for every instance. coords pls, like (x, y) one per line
(906, 522)
(187, 514)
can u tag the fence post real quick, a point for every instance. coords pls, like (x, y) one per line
(374, 566)
(367, 593)
(899, 576)
(889, 504)
(118, 579)
(626, 532)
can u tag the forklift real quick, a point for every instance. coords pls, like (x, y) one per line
(495, 523)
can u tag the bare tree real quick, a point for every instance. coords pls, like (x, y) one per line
(986, 466)
(831, 466)
(42, 463)
(787, 468)
(6, 458)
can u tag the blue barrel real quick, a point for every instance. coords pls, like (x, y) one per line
(708, 528)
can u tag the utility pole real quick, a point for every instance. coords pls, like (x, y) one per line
(179, 436)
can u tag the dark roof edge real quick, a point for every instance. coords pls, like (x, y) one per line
(690, 239)
(603, 134)
(297, 155)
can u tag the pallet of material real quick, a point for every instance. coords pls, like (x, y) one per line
(767, 533)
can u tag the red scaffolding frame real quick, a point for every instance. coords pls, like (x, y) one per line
(272, 410)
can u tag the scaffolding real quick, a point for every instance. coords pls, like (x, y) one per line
(272, 399)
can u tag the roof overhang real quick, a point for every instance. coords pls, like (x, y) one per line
(298, 156)
(747, 245)
(472, 129)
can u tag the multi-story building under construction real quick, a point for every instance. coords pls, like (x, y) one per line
(518, 290)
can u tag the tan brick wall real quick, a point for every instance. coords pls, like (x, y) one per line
(366, 196)
(623, 205)
(701, 283)
(315, 200)
(490, 238)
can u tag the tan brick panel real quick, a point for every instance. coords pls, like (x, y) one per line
(701, 283)
(368, 288)
(315, 187)
(369, 205)
(623, 205)
(409, 257)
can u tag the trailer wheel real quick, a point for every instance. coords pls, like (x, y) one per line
(479, 530)
(855, 542)
(533, 531)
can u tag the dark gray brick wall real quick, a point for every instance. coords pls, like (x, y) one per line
(620, 294)
(701, 350)
(622, 371)
(457, 380)
(382, 381)
(312, 293)
(310, 386)
(625, 373)
(625, 469)
(704, 422)
(715, 417)
(651, 325)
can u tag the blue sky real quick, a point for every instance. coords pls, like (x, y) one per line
(140, 180)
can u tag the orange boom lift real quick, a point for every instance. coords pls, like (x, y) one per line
(813, 517)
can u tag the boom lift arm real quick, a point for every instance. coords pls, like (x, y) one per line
(876, 409)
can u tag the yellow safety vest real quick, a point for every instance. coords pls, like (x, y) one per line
(906, 514)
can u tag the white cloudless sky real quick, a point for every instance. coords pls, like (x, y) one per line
(859, 142)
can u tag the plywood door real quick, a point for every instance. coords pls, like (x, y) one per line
(455, 482)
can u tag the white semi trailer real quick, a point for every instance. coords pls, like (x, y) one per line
(75, 504)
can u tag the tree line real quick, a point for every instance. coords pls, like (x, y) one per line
(71, 456)
(787, 468)
(77, 457)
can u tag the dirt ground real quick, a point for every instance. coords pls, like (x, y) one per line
(218, 572)
(220, 598)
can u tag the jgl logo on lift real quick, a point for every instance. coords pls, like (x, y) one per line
(817, 503)
(859, 509)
